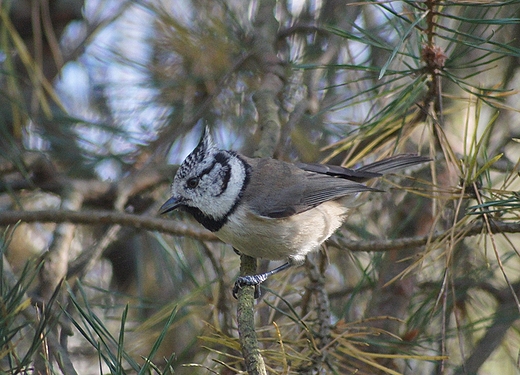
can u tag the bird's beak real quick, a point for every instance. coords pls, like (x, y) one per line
(170, 205)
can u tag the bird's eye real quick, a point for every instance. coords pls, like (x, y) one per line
(192, 183)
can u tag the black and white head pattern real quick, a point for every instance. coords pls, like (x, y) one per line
(210, 182)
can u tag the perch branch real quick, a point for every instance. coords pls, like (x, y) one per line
(178, 228)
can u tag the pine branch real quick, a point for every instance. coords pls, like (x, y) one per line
(265, 99)
(473, 229)
(178, 228)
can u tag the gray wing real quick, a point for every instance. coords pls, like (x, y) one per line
(278, 189)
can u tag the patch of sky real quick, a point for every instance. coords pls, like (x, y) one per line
(108, 86)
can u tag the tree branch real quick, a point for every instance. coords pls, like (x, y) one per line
(55, 266)
(265, 98)
(470, 230)
(43, 174)
(54, 269)
(175, 228)
(178, 228)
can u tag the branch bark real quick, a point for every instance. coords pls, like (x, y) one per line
(55, 266)
(264, 53)
(102, 217)
(177, 228)
(470, 230)
(54, 271)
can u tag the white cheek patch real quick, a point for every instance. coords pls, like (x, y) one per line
(211, 185)
(216, 181)
(217, 198)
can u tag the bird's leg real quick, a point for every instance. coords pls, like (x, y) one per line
(256, 280)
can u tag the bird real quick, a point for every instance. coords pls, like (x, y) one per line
(268, 208)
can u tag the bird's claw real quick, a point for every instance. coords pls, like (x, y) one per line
(248, 280)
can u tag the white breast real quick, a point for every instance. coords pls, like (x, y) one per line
(285, 238)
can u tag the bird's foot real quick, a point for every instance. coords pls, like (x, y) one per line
(256, 280)
(249, 280)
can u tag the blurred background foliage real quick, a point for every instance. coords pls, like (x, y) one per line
(99, 100)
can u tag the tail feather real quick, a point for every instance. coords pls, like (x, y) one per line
(393, 163)
(369, 171)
